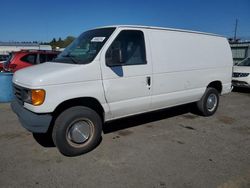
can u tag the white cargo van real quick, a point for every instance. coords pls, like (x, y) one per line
(113, 72)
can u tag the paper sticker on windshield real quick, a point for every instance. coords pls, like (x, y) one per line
(98, 39)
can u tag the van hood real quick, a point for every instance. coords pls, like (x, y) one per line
(51, 73)
(241, 69)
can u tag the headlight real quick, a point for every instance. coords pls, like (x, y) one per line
(35, 97)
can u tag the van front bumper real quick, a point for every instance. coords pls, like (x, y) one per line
(33, 122)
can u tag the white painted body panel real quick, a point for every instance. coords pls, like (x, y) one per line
(62, 82)
(180, 64)
(185, 63)
(51, 73)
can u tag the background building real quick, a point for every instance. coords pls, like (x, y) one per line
(7, 47)
(240, 50)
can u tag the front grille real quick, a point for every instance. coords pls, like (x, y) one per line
(239, 74)
(18, 90)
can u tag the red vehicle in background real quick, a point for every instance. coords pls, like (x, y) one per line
(26, 58)
(3, 58)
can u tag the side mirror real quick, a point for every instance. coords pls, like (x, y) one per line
(115, 57)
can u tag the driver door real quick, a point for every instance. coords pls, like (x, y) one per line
(127, 74)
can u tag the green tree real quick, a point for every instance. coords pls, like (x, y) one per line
(61, 43)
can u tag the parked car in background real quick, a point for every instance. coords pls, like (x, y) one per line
(1, 65)
(241, 74)
(3, 58)
(26, 58)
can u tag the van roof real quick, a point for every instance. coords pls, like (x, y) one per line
(160, 28)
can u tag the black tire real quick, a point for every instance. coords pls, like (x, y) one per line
(65, 127)
(44, 139)
(204, 108)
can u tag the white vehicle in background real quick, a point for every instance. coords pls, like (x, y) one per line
(241, 74)
(118, 71)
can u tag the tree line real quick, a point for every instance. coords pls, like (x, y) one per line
(61, 43)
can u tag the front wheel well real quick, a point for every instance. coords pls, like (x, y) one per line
(89, 102)
(216, 85)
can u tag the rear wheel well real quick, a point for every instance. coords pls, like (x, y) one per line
(216, 85)
(89, 102)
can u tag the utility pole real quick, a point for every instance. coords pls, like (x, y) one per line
(235, 30)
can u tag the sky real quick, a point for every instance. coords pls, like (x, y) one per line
(33, 20)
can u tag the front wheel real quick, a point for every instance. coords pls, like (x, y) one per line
(77, 130)
(208, 104)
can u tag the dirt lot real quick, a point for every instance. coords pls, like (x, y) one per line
(170, 148)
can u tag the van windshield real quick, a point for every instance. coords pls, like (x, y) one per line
(84, 49)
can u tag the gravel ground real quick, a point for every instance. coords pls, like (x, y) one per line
(169, 148)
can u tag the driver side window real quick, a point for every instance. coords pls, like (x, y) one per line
(127, 49)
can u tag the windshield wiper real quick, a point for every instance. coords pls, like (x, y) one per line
(71, 58)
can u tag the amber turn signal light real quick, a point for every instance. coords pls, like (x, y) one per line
(37, 96)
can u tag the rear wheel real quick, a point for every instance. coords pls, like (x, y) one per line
(77, 130)
(208, 104)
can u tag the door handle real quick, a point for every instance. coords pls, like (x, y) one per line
(148, 78)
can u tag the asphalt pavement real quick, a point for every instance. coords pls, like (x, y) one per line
(164, 149)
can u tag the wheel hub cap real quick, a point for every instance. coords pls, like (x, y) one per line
(211, 102)
(79, 132)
